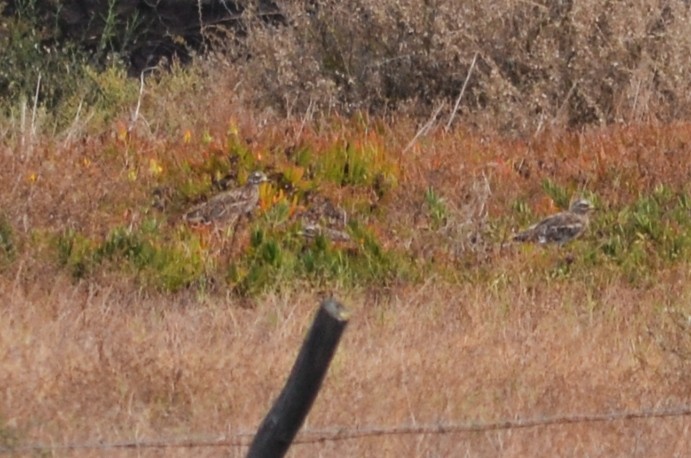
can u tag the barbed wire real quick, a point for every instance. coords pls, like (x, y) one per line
(243, 439)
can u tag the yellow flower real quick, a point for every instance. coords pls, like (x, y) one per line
(278, 196)
(154, 167)
(122, 132)
(233, 129)
(266, 193)
(187, 136)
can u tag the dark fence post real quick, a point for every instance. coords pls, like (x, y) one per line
(283, 421)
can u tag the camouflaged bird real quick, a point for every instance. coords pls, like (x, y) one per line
(560, 228)
(312, 231)
(228, 206)
(323, 217)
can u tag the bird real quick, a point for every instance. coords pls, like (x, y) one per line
(561, 227)
(312, 231)
(228, 206)
(323, 217)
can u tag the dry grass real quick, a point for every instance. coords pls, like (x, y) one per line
(88, 363)
(538, 63)
(493, 335)
(462, 328)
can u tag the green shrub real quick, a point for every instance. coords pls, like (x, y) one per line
(28, 64)
(559, 195)
(76, 252)
(165, 265)
(179, 264)
(652, 232)
(277, 257)
(265, 265)
(7, 243)
(344, 162)
(9, 437)
(436, 208)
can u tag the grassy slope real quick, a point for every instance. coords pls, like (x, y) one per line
(117, 321)
(486, 333)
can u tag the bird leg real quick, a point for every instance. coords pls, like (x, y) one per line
(235, 227)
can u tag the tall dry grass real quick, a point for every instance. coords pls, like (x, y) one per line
(90, 363)
(538, 63)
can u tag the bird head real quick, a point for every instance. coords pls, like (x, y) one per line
(311, 231)
(257, 177)
(582, 207)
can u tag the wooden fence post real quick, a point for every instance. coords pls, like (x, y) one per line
(283, 421)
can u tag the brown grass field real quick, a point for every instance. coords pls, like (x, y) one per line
(89, 363)
(105, 359)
